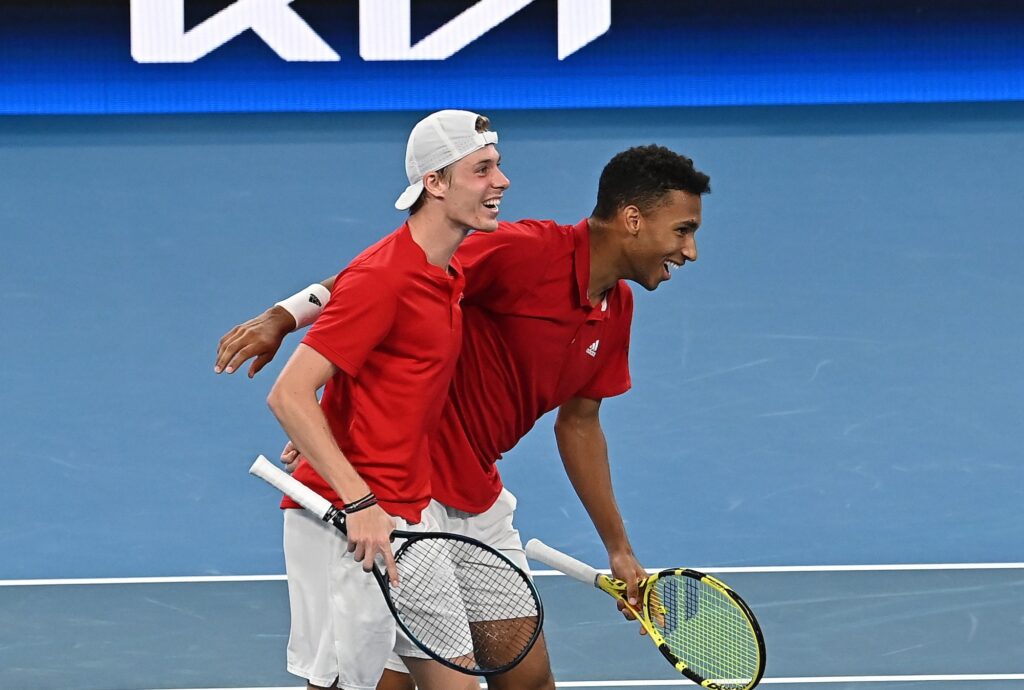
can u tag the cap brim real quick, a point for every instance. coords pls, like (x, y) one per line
(409, 196)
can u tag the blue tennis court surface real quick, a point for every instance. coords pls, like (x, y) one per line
(820, 626)
(836, 381)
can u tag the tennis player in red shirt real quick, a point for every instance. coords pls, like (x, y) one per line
(547, 317)
(383, 351)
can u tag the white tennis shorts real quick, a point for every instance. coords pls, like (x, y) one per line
(493, 527)
(341, 627)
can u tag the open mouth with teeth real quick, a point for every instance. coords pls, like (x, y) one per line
(670, 266)
(492, 204)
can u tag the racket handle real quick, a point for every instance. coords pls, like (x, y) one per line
(564, 563)
(293, 488)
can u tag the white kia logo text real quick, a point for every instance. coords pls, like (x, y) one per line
(385, 29)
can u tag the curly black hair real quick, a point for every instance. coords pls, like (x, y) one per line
(642, 176)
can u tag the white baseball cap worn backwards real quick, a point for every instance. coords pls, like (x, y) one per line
(438, 140)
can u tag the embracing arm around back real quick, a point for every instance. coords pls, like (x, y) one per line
(259, 337)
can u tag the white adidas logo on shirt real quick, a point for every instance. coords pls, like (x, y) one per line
(592, 350)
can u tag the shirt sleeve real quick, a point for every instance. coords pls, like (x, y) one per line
(612, 377)
(357, 318)
(498, 264)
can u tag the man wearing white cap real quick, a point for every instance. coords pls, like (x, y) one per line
(383, 350)
(547, 325)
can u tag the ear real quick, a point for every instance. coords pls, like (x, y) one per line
(434, 184)
(631, 218)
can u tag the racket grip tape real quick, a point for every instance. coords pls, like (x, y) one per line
(564, 563)
(293, 488)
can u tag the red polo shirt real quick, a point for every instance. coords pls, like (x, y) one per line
(393, 327)
(532, 341)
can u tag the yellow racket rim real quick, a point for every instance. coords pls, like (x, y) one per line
(704, 629)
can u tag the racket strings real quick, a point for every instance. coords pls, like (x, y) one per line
(705, 629)
(464, 603)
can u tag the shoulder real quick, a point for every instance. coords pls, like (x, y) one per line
(546, 232)
(522, 237)
(379, 266)
(383, 252)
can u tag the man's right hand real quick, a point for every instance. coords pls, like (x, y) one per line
(369, 534)
(290, 457)
(260, 337)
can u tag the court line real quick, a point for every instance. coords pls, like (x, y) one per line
(897, 679)
(830, 568)
(142, 581)
(536, 573)
(808, 680)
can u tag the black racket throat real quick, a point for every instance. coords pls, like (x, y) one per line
(338, 518)
(335, 517)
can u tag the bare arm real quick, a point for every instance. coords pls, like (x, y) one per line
(293, 401)
(259, 337)
(584, 452)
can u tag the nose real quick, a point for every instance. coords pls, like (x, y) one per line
(690, 248)
(500, 181)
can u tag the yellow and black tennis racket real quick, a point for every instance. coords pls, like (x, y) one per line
(701, 626)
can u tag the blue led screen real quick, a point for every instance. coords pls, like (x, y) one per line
(138, 56)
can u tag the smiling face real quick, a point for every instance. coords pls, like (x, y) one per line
(471, 189)
(663, 238)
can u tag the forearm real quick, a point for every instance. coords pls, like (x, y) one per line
(261, 336)
(300, 416)
(584, 452)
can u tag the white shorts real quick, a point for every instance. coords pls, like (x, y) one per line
(493, 527)
(341, 626)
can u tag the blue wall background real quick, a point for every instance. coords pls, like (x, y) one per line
(836, 380)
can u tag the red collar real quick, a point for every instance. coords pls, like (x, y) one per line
(409, 245)
(581, 265)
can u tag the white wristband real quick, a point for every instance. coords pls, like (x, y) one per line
(306, 305)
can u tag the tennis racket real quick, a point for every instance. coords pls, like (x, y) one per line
(460, 601)
(701, 626)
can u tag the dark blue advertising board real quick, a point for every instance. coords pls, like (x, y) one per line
(138, 56)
